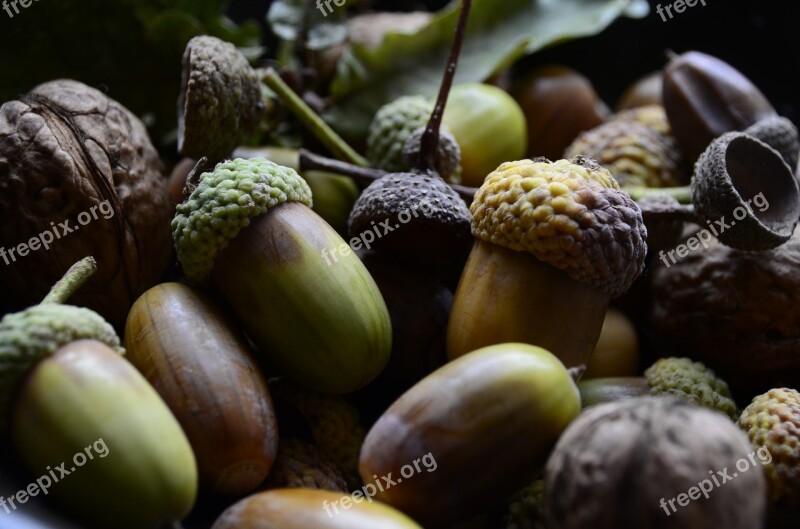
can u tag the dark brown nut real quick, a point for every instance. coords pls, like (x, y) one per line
(733, 310)
(78, 172)
(706, 97)
(559, 103)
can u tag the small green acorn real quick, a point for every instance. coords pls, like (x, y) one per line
(302, 295)
(68, 396)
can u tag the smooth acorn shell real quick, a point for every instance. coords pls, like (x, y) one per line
(86, 394)
(559, 103)
(311, 508)
(706, 97)
(481, 426)
(204, 370)
(306, 300)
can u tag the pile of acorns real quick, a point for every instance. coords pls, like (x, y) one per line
(431, 348)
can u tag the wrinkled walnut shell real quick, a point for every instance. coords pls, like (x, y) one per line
(66, 148)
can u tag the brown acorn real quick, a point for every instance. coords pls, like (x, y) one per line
(706, 97)
(198, 361)
(559, 103)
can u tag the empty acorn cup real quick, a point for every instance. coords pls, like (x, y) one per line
(745, 193)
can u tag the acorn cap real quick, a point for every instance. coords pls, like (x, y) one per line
(223, 203)
(37, 332)
(448, 154)
(220, 102)
(424, 216)
(772, 422)
(569, 213)
(731, 172)
(692, 382)
(391, 127)
(652, 116)
(303, 465)
(780, 134)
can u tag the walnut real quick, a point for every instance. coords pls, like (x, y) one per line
(79, 176)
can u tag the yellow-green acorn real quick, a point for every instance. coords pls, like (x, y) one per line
(555, 241)
(303, 297)
(74, 404)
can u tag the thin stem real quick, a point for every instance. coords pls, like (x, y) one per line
(430, 138)
(310, 119)
(75, 278)
(682, 194)
(362, 175)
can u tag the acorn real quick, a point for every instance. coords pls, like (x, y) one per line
(706, 97)
(674, 463)
(780, 134)
(644, 91)
(71, 397)
(555, 241)
(247, 231)
(681, 378)
(559, 103)
(489, 127)
(306, 508)
(505, 403)
(617, 351)
(196, 359)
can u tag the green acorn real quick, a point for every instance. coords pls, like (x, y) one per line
(72, 398)
(391, 127)
(302, 295)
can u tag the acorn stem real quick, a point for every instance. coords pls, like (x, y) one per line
(430, 138)
(682, 194)
(75, 278)
(362, 175)
(310, 119)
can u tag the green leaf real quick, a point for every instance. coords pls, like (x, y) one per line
(498, 34)
(325, 28)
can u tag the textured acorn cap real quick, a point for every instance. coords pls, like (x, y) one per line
(652, 116)
(37, 332)
(635, 153)
(220, 102)
(570, 214)
(334, 423)
(772, 421)
(448, 154)
(303, 465)
(526, 508)
(735, 168)
(692, 382)
(391, 127)
(223, 203)
(780, 134)
(426, 216)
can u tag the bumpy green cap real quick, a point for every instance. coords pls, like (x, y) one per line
(569, 213)
(223, 203)
(692, 382)
(391, 128)
(37, 332)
